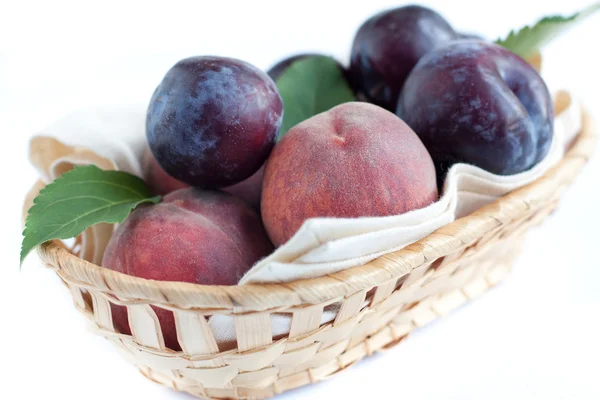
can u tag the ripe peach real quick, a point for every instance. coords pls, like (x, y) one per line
(249, 189)
(197, 236)
(354, 160)
(162, 183)
(157, 178)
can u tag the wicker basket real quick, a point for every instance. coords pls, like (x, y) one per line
(379, 303)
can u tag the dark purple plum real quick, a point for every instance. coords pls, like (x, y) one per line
(478, 103)
(213, 121)
(387, 47)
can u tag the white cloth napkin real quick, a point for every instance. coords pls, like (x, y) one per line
(113, 137)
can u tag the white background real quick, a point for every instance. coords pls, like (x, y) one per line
(536, 336)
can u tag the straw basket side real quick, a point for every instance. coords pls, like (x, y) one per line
(375, 305)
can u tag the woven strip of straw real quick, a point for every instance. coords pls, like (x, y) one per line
(379, 303)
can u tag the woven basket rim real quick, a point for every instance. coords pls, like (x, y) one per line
(341, 284)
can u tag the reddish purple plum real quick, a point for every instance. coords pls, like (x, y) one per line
(478, 103)
(387, 47)
(213, 121)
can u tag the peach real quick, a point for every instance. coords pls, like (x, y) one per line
(355, 160)
(197, 236)
(250, 189)
(157, 178)
(160, 182)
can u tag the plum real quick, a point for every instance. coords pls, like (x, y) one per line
(194, 235)
(388, 45)
(478, 103)
(213, 121)
(355, 160)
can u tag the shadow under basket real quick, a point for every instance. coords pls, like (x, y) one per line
(375, 305)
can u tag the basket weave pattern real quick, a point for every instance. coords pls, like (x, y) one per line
(379, 303)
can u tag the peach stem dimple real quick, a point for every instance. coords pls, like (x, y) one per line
(339, 139)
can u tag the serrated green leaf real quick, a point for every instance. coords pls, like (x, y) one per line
(311, 86)
(526, 41)
(80, 198)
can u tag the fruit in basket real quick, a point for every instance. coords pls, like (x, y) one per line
(389, 44)
(194, 235)
(156, 178)
(162, 183)
(250, 189)
(352, 161)
(213, 121)
(480, 104)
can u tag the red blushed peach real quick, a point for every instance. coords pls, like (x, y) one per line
(157, 179)
(249, 189)
(356, 160)
(162, 183)
(196, 236)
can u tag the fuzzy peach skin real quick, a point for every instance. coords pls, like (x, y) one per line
(160, 182)
(194, 235)
(355, 160)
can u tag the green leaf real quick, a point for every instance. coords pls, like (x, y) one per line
(79, 199)
(528, 40)
(311, 86)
